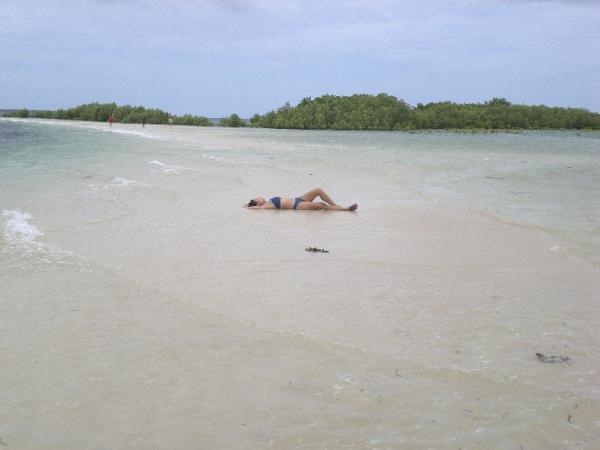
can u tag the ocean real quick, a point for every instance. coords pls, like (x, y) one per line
(143, 307)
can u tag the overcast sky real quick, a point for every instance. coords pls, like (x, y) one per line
(214, 57)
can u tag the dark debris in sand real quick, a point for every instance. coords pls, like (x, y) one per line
(551, 359)
(316, 250)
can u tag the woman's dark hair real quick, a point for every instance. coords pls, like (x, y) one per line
(252, 203)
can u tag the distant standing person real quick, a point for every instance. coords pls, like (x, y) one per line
(110, 120)
(143, 121)
(170, 121)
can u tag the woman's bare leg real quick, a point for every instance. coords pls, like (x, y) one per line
(324, 206)
(318, 192)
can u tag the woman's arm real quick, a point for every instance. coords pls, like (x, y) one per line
(265, 206)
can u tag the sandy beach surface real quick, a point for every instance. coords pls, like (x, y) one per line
(142, 307)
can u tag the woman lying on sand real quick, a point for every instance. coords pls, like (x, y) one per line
(304, 202)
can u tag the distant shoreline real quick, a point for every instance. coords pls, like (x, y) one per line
(514, 131)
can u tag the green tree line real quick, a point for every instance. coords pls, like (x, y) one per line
(100, 112)
(356, 112)
(386, 112)
(232, 121)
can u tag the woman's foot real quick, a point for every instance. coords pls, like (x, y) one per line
(353, 207)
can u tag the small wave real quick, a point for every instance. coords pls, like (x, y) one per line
(214, 158)
(24, 251)
(117, 182)
(97, 187)
(560, 250)
(17, 229)
(167, 168)
(124, 181)
(132, 133)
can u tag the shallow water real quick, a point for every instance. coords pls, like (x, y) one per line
(143, 308)
(546, 180)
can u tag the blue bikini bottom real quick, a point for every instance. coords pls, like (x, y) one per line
(276, 201)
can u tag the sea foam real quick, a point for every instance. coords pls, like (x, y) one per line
(17, 228)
